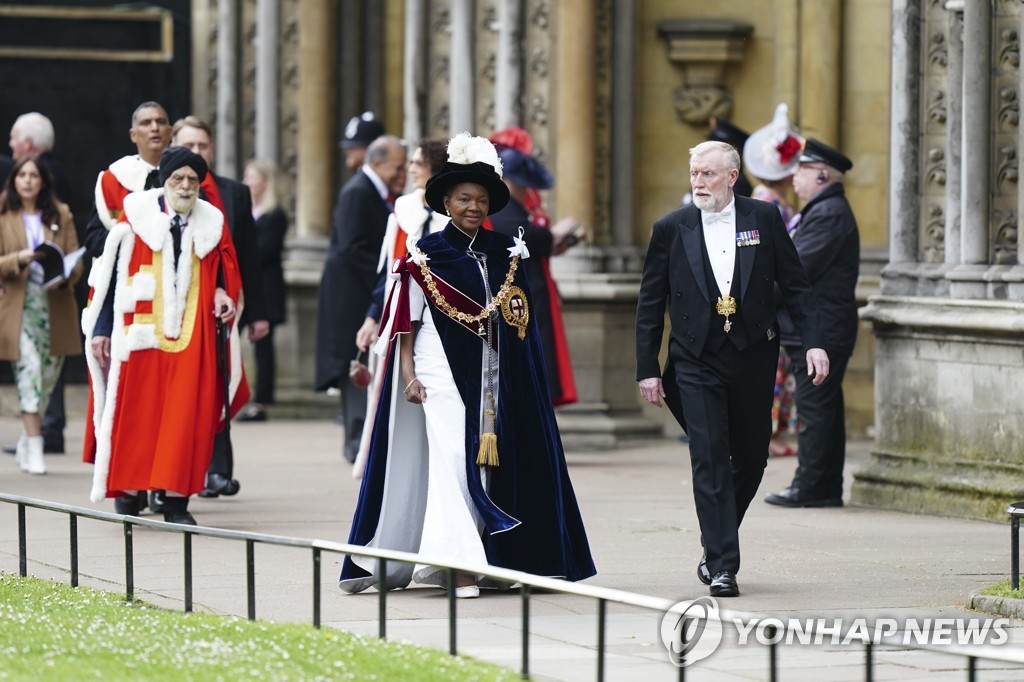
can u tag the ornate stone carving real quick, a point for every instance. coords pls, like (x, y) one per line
(938, 51)
(703, 48)
(937, 108)
(935, 234)
(1009, 49)
(1009, 108)
(1005, 247)
(1006, 168)
(935, 171)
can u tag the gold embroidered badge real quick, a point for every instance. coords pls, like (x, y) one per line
(516, 311)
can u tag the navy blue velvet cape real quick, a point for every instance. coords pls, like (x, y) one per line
(531, 518)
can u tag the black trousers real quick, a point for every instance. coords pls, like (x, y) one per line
(727, 399)
(821, 440)
(220, 462)
(265, 368)
(54, 419)
(353, 413)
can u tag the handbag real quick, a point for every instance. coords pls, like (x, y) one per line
(358, 372)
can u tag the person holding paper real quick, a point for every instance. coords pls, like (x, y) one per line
(38, 323)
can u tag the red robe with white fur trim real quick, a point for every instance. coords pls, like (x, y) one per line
(124, 176)
(153, 414)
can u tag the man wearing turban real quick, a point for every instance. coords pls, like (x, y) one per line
(167, 274)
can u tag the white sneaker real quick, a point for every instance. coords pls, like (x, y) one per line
(467, 592)
(21, 452)
(34, 462)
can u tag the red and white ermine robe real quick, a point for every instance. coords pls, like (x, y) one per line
(124, 176)
(152, 416)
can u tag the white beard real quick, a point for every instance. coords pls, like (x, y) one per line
(711, 204)
(182, 204)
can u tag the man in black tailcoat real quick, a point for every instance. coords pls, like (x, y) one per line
(716, 263)
(828, 242)
(350, 273)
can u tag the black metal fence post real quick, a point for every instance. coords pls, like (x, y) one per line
(188, 572)
(869, 662)
(316, 587)
(382, 598)
(452, 630)
(250, 576)
(601, 609)
(73, 533)
(1014, 552)
(129, 563)
(22, 543)
(524, 593)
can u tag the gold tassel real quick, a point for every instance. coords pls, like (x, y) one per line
(488, 455)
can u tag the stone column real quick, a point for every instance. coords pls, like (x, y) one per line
(317, 64)
(415, 58)
(904, 144)
(227, 88)
(509, 65)
(623, 51)
(267, 70)
(461, 114)
(954, 114)
(821, 42)
(574, 120)
(966, 281)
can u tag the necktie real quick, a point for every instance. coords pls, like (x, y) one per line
(152, 179)
(712, 218)
(176, 236)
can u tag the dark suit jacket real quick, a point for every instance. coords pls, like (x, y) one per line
(270, 231)
(350, 272)
(238, 212)
(674, 274)
(829, 246)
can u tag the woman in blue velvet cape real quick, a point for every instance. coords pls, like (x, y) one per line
(524, 508)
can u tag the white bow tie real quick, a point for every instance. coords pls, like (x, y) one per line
(712, 218)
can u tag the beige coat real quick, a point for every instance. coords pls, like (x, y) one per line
(65, 338)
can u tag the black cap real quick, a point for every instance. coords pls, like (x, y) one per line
(478, 172)
(174, 158)
(819, 152)
(524, 169)
(361, 130)
(723, 130)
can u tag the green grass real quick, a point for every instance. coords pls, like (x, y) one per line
(49, 631)
(1003, 590)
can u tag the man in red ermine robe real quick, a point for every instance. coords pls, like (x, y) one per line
(168, 272)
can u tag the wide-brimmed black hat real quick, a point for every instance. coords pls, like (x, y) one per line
(361, 130)
(478, 172)
(524, 169)
(724, 130)
(174, 158)
(816, 151)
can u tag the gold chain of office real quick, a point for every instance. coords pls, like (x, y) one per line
(449, 310)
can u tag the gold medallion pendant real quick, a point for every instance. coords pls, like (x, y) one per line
(516, 311)
(726, 306)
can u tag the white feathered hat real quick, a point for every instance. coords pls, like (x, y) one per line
(773, 152)
(470, 159)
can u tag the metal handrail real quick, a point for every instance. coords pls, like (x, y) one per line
(529, 582)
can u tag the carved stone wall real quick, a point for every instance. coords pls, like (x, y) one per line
(933, 126)
(1006, 113)
(537, 58)
(439, 34)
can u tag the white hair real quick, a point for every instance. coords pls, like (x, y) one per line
(37, 129)
(732, 157)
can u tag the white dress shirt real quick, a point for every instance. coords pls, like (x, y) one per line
(720, 238)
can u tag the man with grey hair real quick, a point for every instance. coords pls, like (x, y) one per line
(350, 272)
(716, 263)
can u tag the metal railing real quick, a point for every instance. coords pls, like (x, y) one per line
(529, 583)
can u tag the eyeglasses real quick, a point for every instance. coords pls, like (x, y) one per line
(182, 180)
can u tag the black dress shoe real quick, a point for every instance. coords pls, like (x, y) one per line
(791, 497)
(219, 484)
(703, 574)
(130, 505)
(184, 518)
(156, 501)
(724, 585)
(10, 449)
